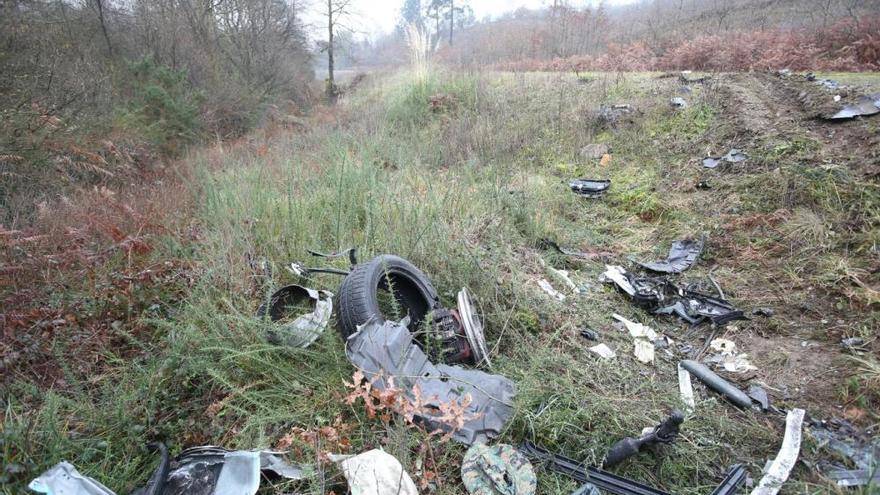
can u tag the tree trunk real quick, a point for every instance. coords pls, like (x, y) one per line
(451, 19)
(331, 84)
(100, 5)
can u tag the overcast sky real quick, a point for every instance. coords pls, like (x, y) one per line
(372, 17)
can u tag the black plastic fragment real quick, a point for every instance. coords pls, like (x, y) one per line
(759, 395)
(589, 334)
(590, 188)
(665, 432)
(682, 255)
(735, 477)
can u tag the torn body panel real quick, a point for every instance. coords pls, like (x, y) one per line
(387, 350)
(682, 255)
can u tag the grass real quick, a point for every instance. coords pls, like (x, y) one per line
(464, 191)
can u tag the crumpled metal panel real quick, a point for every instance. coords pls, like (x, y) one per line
(387, 350)
(306, 328)
(682, 255)
(735, 155)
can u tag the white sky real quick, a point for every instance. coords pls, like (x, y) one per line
(371, 17)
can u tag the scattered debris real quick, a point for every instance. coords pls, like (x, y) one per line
(496, 469)
(593, 151)
(612, 114)
(733, 156)
(728, 358)
(666, 432)
(603, 351)
(682, 255)
(643, 339)
(611, 483)
(305, 328)
(548, 288)
(686, 389)
(853, 344)
(589, 334)
(860, 448)
(759, 395)
(678, 103)
(703, 184)
(63, 478)
(781, 466)
(590, 188)
(386, 353)
(660, 296)
(765, 312)
(864, 107)
(718, 384)
(204, 470)
(684, 77)
(551, 244)
(375, 471)
(562, 275)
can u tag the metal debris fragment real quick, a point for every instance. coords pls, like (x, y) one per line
(387, 351)
(716, 383)
(759, 395)
(682, 255)
(728, 358)
(590, 188)
(781, 466)
(643, 339)
(864, 107)
(733, 156)
(678, 103)
(305, 328)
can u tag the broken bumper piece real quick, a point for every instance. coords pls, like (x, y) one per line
(386, 351)
(306, 328)
(590, 188)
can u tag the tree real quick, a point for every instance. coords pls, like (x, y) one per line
(411, 13)
(337, 10)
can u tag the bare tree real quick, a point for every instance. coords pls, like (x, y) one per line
(337, 11)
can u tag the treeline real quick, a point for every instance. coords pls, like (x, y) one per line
(90, 86)
(677, 34)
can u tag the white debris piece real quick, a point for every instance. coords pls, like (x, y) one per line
(781, 467)
(686, 389)
(637, 330)
(562, 275)
(373, 472)
(616, 274)
(544, 284)
(729, 359)
(603, 351)
(644, 351)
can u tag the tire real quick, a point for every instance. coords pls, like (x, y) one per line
(359, 294)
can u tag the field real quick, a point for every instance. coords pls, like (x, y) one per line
(132, 309)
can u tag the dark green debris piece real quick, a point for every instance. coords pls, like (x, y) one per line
(497, 470)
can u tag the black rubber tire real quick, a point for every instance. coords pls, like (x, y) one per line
(358, 295)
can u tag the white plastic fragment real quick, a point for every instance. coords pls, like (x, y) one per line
(240, 474)
(644, 351)
(615, 274)
(603, 351)
(637, 330)
(782, 465)
(686, 389)
(545, 285)
(375, 471)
